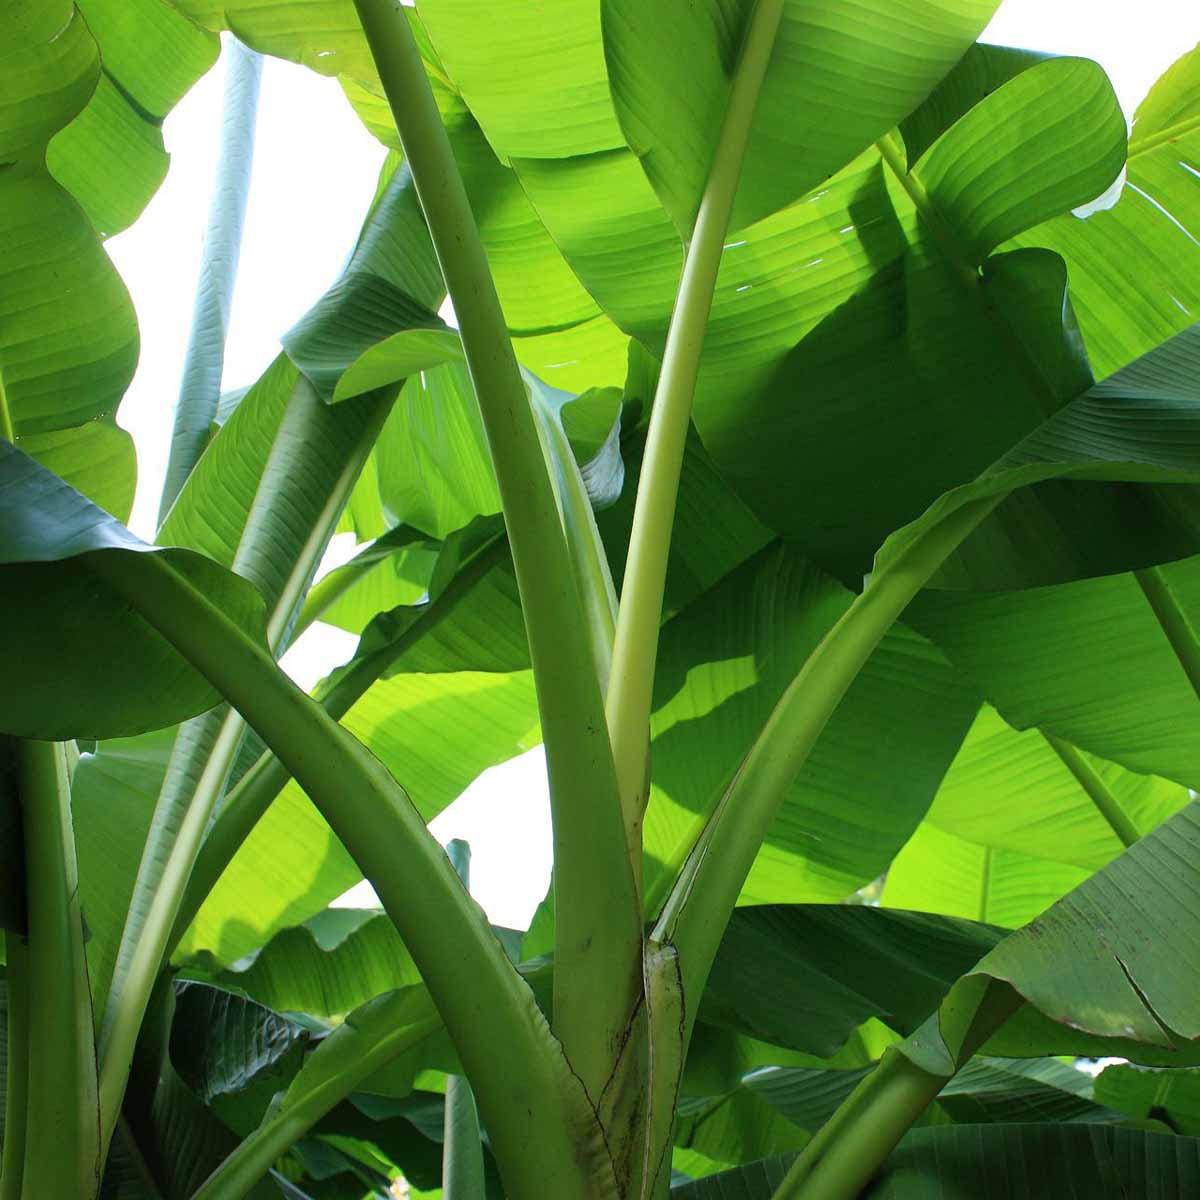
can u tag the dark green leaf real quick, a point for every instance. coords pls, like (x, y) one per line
(113, 675)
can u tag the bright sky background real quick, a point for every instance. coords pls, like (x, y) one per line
(314, 173)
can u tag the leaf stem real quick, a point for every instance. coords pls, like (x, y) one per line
(206, 746)
(200, 389)
(636, 645)
(1097, 790)
(854, 1143)
(16, 1076)
(253, 794)
(171, 847)
(850, 1146)
(528, 1095)
(697, 910)
(62, 1135)
(1173, 620)
(963, 263)
(597, 944)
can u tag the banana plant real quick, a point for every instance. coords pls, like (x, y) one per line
(813, 469)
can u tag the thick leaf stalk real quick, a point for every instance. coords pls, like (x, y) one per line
(1097, 790)
(253, 794)
(62, 1133)
(206, 747)
(636, 644)
(539, 1119)
(200, 389)
(597, 941)
(697, 910)
(854, 1143)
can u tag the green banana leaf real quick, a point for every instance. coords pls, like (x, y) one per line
(1110, 962)
(69, 340)
(233, 1054)
(1169, 1095)
(111, 157)
(113, 674)
(841, 75)
(723, 663)
(1014, 828)
(1134, 278)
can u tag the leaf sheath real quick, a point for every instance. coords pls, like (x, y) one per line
(527, 1093)
(598, 945)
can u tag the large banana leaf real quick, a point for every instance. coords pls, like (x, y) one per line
(1086, 661)
(1111, 962)
(174, 1139)
(113, 673)
(68, 341)
(1014, 826)
(723, 663)
(1135, 270)
(1024, 792)
(940, 872)
(805, 976)
(111, 157)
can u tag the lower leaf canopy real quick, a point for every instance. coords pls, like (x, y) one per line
(996, 1162)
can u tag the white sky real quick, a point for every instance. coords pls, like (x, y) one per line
(314, 173)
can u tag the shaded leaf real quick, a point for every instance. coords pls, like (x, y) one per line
(114, 674)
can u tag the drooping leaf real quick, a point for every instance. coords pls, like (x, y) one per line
(805, 976)
(177, 1140)
(1134, 268)
(979, 175)
(977, 74)
(114, 675)
(111, 156)
(1127, 941)
(68, 342)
